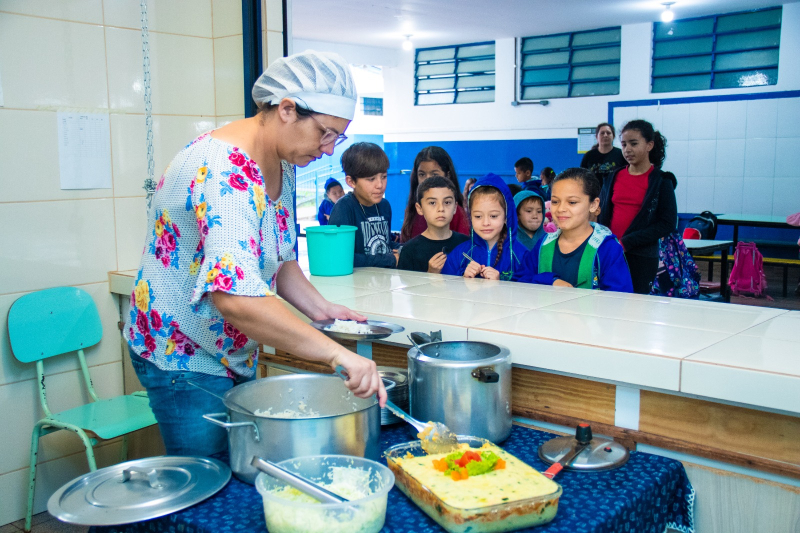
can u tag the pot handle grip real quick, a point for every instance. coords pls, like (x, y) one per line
(213, 418)
(486, 375)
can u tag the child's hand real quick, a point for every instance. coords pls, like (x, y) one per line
(473, 269)
(396, 257)
(490, 273)
(436, 263)
(561, 283)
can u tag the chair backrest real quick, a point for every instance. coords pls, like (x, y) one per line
(51, 322)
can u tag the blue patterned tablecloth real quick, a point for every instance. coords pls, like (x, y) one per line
(646, 495)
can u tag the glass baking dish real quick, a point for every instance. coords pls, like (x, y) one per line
(508, 516)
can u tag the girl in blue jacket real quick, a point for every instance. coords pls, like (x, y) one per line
(493, 245)
(581, 253)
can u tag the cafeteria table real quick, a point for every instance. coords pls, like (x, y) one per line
(708, 247)
(755, 221)
(647, 494)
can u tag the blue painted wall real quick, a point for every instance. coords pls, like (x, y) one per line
(475, 159)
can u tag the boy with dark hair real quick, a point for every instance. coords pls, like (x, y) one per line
(530, 215)
(436, 202)
(365, 166)
(333, 192)
(523, 170)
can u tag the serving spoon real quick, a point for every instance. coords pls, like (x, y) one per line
(435, 436)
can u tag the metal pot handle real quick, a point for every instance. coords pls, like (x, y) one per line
(486, 374)
(212, 417)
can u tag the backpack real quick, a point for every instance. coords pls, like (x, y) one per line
(702, 226)
(747, 274)
(678, 276)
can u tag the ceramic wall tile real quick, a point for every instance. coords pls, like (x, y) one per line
(221, 121)
(273, 16)
(787, 191)
(788, 111)
(702, 159)
(182, 17)
(47, 244)
(786, 157)
(757, 197)
(274, 46)
(106, 351)
(677, 160)
(69, 58)
(586, 361)
(624, 114)
(121, 282)
(728, 195)
(762, 118)
(759, 159)
(30, 159)
(226, 17)
(699, 194)
(129, 147)
(703, 121)
(681, 196)
(229, 75)
(50, 476)
(90, 11)
(653, 114)
(676, 122)
(131, 231)
(730, 157)
(64, 391)
(731, 119)
(182, 73)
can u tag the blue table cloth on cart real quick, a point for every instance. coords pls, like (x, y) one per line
(646, 495)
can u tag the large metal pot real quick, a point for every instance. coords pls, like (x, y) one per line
(341, 423)
(464, 384)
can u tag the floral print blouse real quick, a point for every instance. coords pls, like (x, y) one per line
(211, 227)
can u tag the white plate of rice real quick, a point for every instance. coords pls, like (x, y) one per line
(352, 330)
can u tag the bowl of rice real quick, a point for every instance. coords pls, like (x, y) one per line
(356, 331)
(364, 482)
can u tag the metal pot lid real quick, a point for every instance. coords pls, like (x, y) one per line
(601, 454)
(138, 490)
(378, 330)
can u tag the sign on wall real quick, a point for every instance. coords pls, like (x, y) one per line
(586, 139)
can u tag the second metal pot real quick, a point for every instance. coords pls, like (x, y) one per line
(340, 424)
(464, 384)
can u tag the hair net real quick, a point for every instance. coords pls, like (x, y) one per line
(319, 81)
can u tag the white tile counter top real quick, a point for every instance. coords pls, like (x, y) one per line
(742, 354)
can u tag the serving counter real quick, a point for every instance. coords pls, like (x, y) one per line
(707, 383)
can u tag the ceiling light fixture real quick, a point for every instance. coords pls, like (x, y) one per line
(407, 44)
(667, 15)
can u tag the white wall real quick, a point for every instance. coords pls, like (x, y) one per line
(500, 120)
(86, 55)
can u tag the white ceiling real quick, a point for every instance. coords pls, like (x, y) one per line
(384, 23)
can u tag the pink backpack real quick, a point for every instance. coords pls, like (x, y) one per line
(747, 274)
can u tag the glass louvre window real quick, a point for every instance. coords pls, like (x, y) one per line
(721, 51)
(454, 74)
(582, 63)
(372, 106)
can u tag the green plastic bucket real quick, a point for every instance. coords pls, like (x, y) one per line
(330, 250)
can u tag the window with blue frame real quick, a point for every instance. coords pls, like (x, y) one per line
(459, 74)
(583, 63)
(372, 106)
(722, 51)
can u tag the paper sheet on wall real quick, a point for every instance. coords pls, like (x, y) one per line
(586, 139)
(84, 151)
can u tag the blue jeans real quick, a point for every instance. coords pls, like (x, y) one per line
(179, 407)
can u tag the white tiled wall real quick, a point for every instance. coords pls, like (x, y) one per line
(730, 157)
(86, 55)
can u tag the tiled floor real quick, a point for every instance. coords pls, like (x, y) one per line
(44, 523)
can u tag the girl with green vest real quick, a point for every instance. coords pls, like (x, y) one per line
(581, 253)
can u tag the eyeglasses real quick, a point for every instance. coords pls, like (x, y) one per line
(329, 135)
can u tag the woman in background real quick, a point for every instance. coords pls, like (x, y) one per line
(604, 158)
(431, 161)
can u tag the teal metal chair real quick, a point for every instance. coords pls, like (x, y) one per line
(64, 320)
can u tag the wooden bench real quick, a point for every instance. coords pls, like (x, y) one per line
(784, 263)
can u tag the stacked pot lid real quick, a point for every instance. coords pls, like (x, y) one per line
(395, 380)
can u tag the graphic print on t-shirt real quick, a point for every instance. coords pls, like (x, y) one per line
(375, 230)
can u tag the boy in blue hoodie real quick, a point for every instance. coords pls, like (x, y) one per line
(333, 192)
(493, 248)
(581, 253)
(530, 218)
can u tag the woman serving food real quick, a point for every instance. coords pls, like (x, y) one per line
(220, 249)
